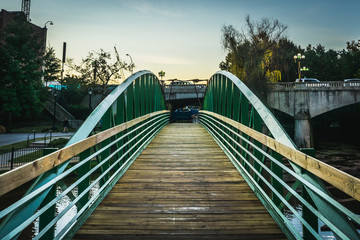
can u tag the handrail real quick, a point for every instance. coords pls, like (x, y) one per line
(139, 95)
(228, 96)
(224, 131)
(146, 128)
(15, 178)
(339, 179)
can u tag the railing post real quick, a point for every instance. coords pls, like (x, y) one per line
(49, 214)
(12, 158)
(279, 172)
(86, 182)
(309, 216)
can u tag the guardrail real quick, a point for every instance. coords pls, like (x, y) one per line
(263, 169)
(11, 158)
(129, 117)
(314, 85)
(229, 97)
(115, 149)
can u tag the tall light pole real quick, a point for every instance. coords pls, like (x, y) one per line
(298, 58)
(45, 36)
(132, 63)
(90, 92)
(45, 32)
(55, 95)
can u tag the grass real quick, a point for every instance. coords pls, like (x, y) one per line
(17, 145)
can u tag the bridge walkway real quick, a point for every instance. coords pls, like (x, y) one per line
(182, 186)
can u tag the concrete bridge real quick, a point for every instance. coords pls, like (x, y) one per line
(180, 92)
(304, 101)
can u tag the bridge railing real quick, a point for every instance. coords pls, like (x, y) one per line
(314, 85)
(72, 181)
(265, 156)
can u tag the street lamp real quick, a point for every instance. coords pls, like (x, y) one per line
(45, 35)
(51, 23)
(132, 63)
(298, 58)
(90, 92)
(55, 95)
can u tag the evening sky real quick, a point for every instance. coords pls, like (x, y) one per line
(183, 38)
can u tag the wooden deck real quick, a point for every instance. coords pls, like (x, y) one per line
(181, 187)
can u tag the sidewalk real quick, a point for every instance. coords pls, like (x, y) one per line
(9, 138)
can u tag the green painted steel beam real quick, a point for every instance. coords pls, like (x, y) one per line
(23, 213)
(280, 135)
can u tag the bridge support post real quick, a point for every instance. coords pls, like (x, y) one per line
(49, 214)
(303, 131)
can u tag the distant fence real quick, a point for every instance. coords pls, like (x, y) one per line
(12, 158)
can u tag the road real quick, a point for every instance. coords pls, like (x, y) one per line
(9, 138)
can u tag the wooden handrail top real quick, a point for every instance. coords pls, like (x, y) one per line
(339, 179)
(18, 176)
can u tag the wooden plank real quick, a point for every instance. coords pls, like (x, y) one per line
(186, 192)
(339, 179)
(16, 177)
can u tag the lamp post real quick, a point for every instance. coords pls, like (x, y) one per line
(132, 63)
(54, 120)
(90, 92)
(45, 35)
(298, 58)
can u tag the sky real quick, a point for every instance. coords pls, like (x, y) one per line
(183, 38)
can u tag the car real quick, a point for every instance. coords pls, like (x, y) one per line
(352, 80)
(307, 80)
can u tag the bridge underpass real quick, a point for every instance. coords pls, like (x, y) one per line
(131, 118)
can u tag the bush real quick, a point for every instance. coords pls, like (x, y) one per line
(78, 111)
(59, 142)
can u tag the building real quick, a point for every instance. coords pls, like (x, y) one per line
(7, 17)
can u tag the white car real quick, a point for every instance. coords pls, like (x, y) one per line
(307, 80)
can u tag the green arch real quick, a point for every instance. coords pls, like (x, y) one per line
(228, 96)
(138, 95)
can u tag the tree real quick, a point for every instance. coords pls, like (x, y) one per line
(323, 64)
(52, 66)
(97, 69)
(21, 92)
(251, 52)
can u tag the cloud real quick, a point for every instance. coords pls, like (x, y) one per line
(155, 7)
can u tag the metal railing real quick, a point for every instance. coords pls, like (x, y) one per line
(12, 158)
(314, 86)
(129, 117)
(236, 117)
(263, 168)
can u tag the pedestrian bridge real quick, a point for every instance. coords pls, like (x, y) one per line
(142, 177)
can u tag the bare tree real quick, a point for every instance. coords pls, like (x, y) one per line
(97, 69)
(251, 51)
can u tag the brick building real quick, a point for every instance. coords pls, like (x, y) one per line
(7, 17)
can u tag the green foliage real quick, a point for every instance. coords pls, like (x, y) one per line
(331, 65)
(250, 53)
(99, 69)
(52, 66)
(22, 91)
(58, 142)
(264, 49)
